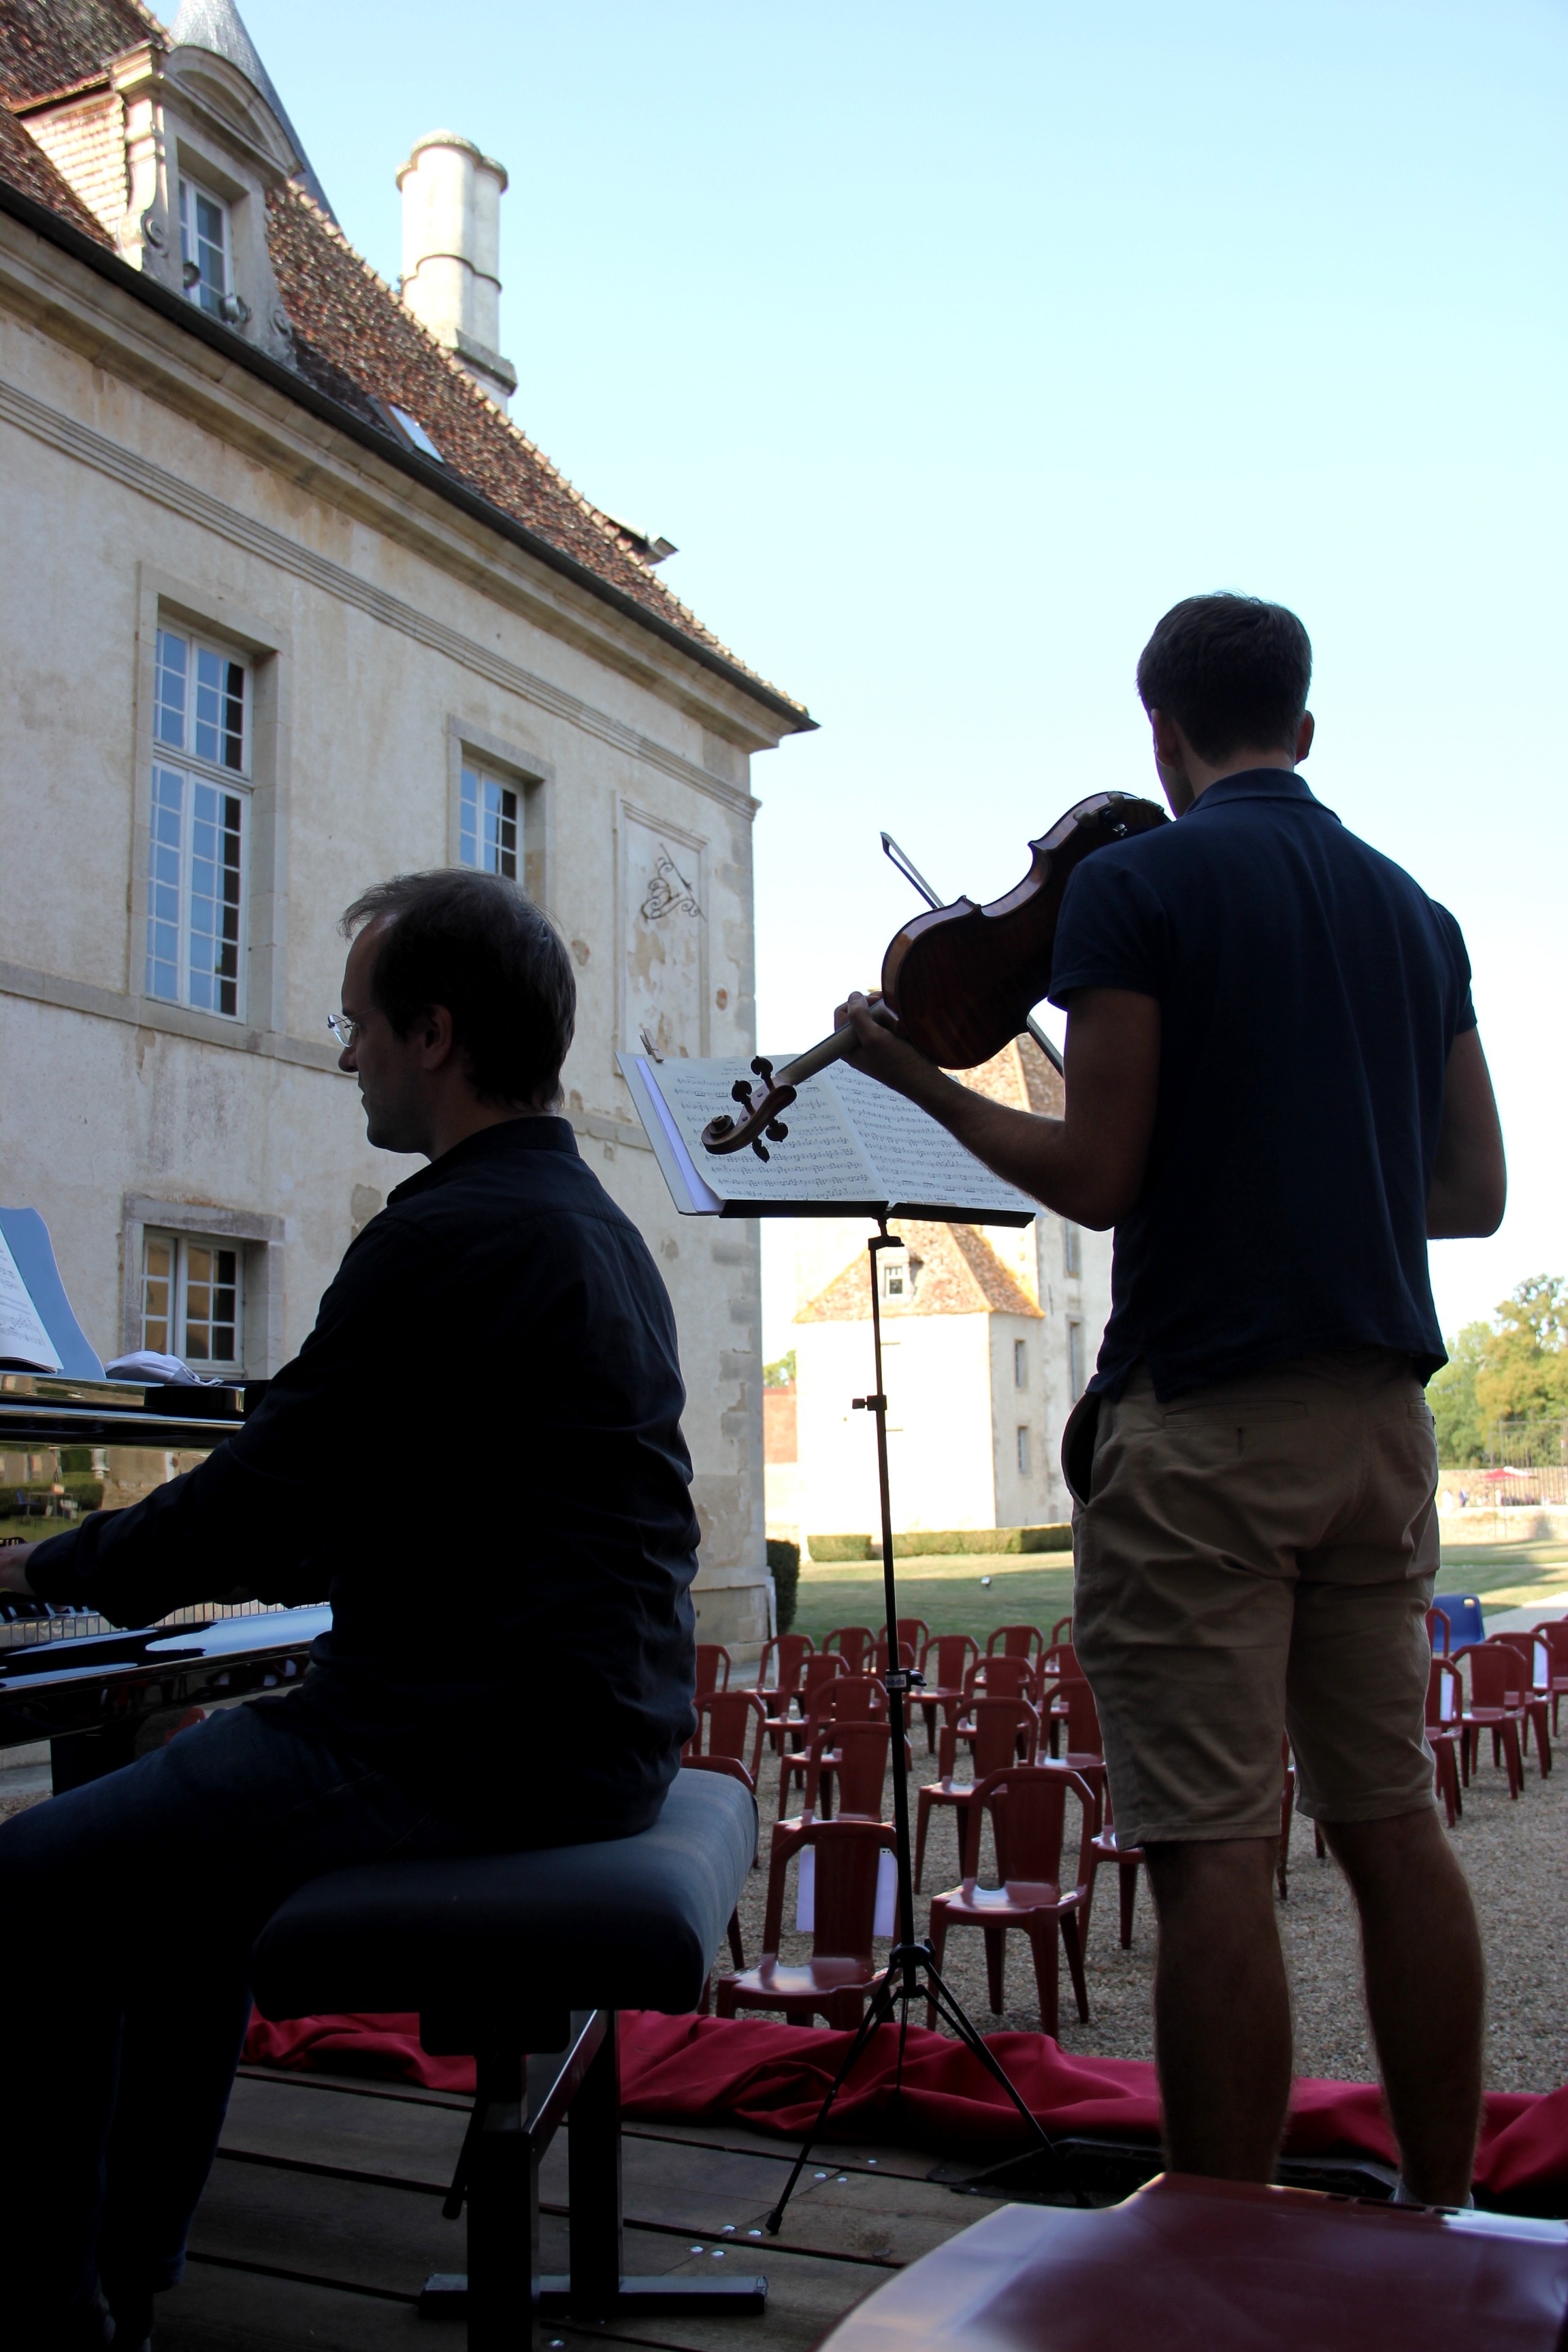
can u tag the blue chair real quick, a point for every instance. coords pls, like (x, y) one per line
(1463, 1611)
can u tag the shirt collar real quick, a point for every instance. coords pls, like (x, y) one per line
(497, 1142)
(1257, 785)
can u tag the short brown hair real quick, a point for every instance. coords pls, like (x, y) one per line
(1232, 671)
(475, 944)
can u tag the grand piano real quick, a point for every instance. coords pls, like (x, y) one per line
(98, 1696)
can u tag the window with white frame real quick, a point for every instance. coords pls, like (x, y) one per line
(1075, 1361)
(206, 248)
(1023, 1452)
(895, 1273)
(488, 827)
(192, 1299)
(1072, 1252)
(1020, 1364)
(196, 864)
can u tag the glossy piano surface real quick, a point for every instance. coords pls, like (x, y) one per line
(68, 1448)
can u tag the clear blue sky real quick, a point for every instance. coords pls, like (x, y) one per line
(952, 345)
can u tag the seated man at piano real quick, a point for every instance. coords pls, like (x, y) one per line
(519, 1678)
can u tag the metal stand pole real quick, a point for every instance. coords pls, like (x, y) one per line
(911, 1973)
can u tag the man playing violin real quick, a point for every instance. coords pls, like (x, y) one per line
(1275, 1094)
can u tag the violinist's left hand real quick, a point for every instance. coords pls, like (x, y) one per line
(882, 1054)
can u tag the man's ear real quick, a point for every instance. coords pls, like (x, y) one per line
(1304, 735)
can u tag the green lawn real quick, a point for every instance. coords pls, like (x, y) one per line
(1025, 1589)
(1036, 1588)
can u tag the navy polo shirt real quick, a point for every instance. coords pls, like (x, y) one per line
(1310, 991)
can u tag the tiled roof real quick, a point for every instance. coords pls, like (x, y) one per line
(1020, 1078)
(47, 46)
(25, 164)
(355, 341)
(955, 1271)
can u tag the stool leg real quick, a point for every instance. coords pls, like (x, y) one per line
(503, 2211)
(593, 2185)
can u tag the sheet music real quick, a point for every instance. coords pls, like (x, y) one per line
(920, 1166)
(820, 1160)
(23, 1338)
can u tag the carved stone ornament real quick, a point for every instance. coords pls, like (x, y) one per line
(154, 230)
(281, 322)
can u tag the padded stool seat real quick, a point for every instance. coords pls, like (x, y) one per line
(488, 1942)
(521, 1960)
(1193, 2265)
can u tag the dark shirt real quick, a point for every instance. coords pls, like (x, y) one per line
(477, 1457)
(1310, 993)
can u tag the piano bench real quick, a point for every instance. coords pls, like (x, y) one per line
(521, 1960)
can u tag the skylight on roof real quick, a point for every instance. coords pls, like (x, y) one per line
(416, 433)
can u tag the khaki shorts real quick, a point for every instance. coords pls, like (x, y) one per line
(1253, 1557)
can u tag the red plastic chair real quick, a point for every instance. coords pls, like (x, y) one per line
(993, 1728)
(1493, 1709)
(1075, 1720)
(854, 1644)
(712, 1667)
(1000, 1677)
(821, 1667)
(848, 1699)
(1438, 1632)
(1444, 1706)
(1535, 1703)
(1059, 1665)
(1553, 1638)
(779, 1672)
(907, 1653)
(842, 1970)
(1061, 1631)
(732, 1720)
(1016, 1642)
(945, 1662)
(1027, 1805)
(851, 1765)
(914, 1630)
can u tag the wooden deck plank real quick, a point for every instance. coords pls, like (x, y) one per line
(223, 2310)
(876, 2156)
(290, 2119)
(806, 2296)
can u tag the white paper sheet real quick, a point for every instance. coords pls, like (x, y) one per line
(918, 1162)
(818, 1160)
(23, 1338)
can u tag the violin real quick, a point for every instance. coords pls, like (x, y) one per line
(963, 980)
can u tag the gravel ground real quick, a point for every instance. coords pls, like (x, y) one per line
(1513, 1852)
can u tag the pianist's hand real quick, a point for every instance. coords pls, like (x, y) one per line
(14, 1559)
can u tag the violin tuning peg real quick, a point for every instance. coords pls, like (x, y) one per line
(762, 1152)
(722, 1125)
(775, 1130)
(741, 1092)
(762, 1068)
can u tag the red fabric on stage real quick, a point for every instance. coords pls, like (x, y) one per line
(773, 2077)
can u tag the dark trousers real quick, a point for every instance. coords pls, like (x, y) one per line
(128, 1910)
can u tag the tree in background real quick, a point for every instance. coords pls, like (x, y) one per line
(1513, 1369)
(780, 1374)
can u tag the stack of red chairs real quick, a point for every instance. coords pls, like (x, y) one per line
(847, 1698)
(992, 1728)
(1497, 1704)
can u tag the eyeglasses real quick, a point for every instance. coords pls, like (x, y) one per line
(345, 1030)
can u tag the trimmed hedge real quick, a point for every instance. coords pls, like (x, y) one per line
(783, 1566)
(922, 1542)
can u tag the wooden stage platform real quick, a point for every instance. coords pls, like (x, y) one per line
(323, 2220)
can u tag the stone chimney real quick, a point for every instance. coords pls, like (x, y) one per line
(451, 251)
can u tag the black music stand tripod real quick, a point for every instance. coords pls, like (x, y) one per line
(912, 1972)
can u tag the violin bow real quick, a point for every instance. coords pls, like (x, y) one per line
(911, 873)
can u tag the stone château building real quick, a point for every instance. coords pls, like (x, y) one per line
(290, 603)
